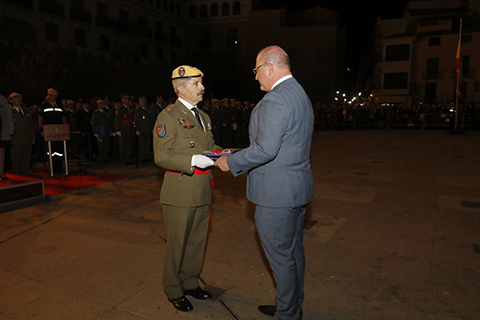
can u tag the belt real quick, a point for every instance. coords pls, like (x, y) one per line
(197, 171)
(126, 121)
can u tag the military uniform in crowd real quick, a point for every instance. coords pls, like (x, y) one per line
(114, 144)
(23, 138)
(143, 126)
(101, 130)
(125, 130)
(179, 141)
(71, 116)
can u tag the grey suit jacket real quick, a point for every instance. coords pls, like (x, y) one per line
(278, 158)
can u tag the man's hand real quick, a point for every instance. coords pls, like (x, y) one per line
(222, 164)
(201, 161)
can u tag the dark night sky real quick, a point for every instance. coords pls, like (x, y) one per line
(357, 16)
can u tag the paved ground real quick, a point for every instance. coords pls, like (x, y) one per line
(398, 221)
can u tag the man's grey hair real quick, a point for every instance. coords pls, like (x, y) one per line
(183, 82)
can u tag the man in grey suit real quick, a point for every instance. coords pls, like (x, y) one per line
(279, 182)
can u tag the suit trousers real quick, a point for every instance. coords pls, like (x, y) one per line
(281, 234)
(186, 230)
(21, 157)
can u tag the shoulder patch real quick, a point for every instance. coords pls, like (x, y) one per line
(162, 130)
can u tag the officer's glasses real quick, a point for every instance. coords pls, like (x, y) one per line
(256, 69)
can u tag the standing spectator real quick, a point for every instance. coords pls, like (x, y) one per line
(71, 116)
(156, 109)
(23, 138)
(7, 128)
(51, 113)
(101, 130)
(143, 129)
(84, 123)
(124, 129)
(114, 145)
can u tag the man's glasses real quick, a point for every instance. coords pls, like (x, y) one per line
(256, 69)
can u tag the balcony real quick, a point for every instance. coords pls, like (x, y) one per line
(52, 7)
(122, 26)
(80, 15)
(21, 3)
(465, 73)
(161, 37)
(105, 21)
(432, 74)
(175, 41)
(144, 32)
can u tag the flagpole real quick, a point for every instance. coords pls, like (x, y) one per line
(458, 73)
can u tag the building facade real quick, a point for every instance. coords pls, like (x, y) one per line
(416, 54)
(221, 37)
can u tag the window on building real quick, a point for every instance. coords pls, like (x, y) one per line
(431, 92)
(123, 15)
(165, 5)
(174, 57)
(80, 38)
(150, 2)
(465, 66)
(434, 42)
(398, 80)
(78, 4)
(172, 7)
(467, 38)
(193, 12)
(104, 42)
(144, 50)
(203, 11)
(225, 9)
(51, 32)
(205, 38)
(102, 10)
(179, 10)
(432, 67)
(237, 8)
(214, 10)
(160, 54)
(398, 52)
(158, 4)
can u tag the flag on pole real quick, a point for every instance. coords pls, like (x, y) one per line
(457, 63)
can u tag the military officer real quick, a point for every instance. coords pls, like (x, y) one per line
(181, 134)
(124, 129)
(143, 129)
(101, 130)
(23, 138)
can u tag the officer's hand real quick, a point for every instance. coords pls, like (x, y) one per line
(113, 134)
(119, 133)
(138, 133)
(201, 161)
(96, 136)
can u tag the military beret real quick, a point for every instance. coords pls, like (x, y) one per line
(14, 94)
(186, 72)
(52, 91)
(101, 101)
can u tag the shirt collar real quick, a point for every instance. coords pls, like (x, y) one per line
(288, 76)
(186, 104)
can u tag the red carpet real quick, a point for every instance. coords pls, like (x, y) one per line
(60, 184)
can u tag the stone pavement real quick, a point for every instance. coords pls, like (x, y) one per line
(397, 236)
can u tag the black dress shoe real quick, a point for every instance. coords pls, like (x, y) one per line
(198, 293)
(270, 310)
(181, 304)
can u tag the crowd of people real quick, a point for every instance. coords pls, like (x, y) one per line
(120, 129)
(102, 129)
(395, 116)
